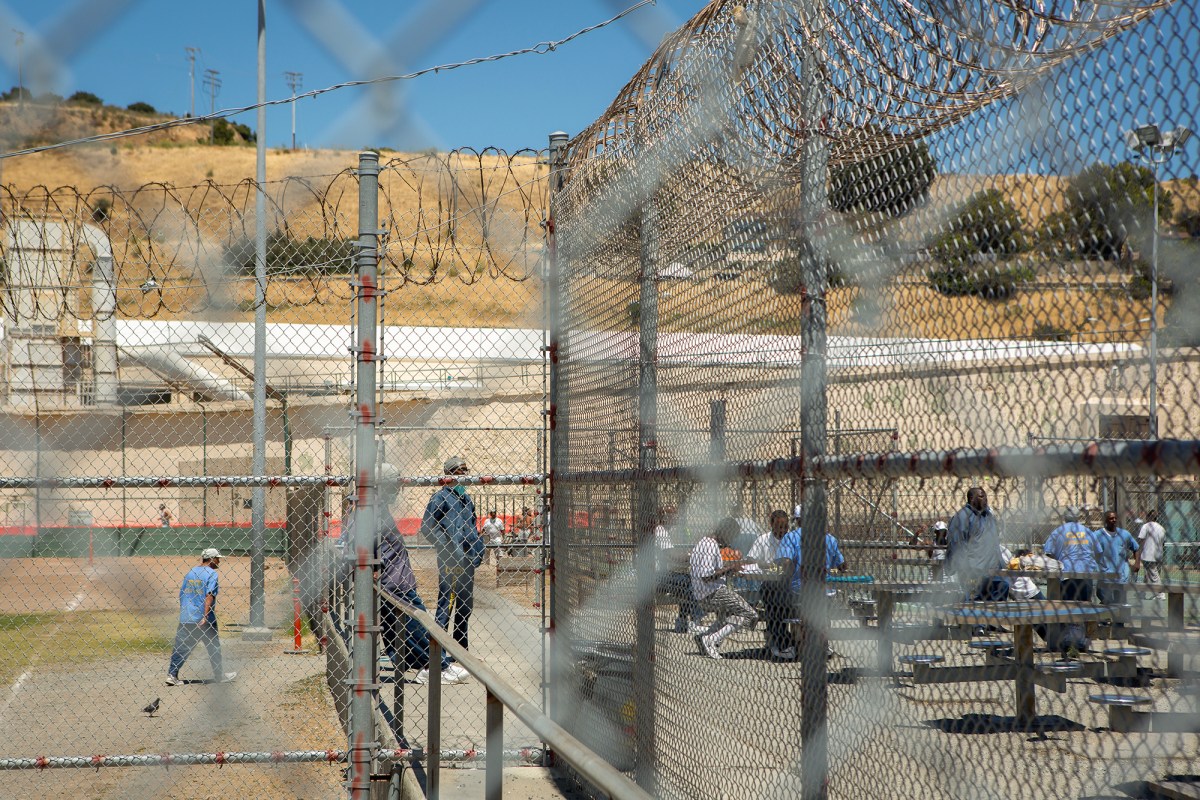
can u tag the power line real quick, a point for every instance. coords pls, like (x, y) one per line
(212, 82)
(540, 49)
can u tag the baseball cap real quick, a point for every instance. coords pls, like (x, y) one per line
(939, 526)
(210, 552)
(453, 463)
(1071, 513)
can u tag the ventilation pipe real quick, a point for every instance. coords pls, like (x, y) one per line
(104, 311)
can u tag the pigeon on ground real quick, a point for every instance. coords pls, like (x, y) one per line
(150, 709)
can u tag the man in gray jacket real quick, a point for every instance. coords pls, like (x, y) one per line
(449, 525)
(973, 549)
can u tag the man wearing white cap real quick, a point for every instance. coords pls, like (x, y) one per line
(198, 618)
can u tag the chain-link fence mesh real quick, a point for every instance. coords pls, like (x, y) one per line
(128, 382)
(848, 262)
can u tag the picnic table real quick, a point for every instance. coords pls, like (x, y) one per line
(1022, 616)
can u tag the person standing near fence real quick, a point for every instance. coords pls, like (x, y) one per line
(1079, 551)
(449, 525)
(1152, 538)
(973, 549)
(493, 534)
(198, 618)
(164, 516)
(396, 577)
(1117, 546)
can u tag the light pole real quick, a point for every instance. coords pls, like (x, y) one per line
(295, 80)
(1155, 146)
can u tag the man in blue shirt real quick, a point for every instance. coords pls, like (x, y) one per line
(788, 558)
(449, 525)
(1077, 548)
(198, 618)
(973, 549)
(397, 578)
(1116, 545)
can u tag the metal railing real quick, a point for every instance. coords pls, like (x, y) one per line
(501, 694)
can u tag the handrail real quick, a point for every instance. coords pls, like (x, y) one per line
(591, 766)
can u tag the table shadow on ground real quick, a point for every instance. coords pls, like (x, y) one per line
(995, 723)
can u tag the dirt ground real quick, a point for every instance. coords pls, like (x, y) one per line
(56, 707)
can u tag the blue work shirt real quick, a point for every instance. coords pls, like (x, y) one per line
(973, 545)
(1075, 546)
(200, 582)
(789, 548)
(1116, 547)
(449, 525)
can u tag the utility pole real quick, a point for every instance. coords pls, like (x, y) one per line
(213, 83)
(20, 40)
(295, 80)
(191, 57)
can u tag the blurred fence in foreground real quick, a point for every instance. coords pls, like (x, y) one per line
(949, 227)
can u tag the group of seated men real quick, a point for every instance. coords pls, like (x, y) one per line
(771, 568)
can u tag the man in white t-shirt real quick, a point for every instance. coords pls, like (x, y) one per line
(709, 587)
(1151, 539)
(493, 534)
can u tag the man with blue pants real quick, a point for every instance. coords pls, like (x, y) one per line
(1117, 545)
(1079, 550)
(198, 618)
(449, 525)
(396, 577)
(973, 549)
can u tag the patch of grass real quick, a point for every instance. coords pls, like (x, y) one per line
(28, 641)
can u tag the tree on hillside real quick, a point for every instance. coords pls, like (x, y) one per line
(890, 181)
(84, 99)
(141, 108)
(1106, 204)
(988, 224)
(16, 93)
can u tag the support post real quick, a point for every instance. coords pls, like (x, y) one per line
(808, 243)
(433, 742)
(258, 513)
(494, 760)
(364, 685)
(557, 497)
(645, 504)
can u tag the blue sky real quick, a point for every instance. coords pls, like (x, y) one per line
(127, 51)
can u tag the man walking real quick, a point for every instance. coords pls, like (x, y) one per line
(198, 618)
(1152, 537)
(449, 525)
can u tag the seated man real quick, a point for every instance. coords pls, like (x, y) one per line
(674, 578)
(789, 560)
(775, 593)
(709, 575)
(1079, 551)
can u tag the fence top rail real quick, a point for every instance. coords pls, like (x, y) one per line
(1150, 458)
(590, 765)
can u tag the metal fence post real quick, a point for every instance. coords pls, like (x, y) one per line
(645, 500)
(362, 705)
(814, 757)
(258, 512)
(557, 500)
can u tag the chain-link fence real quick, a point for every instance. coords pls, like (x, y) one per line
(854, 261)
(132, 435)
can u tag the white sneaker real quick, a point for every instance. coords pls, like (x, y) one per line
(173, 681)
(228, 676)
(788, 654)
(708, 645)
(422, 677)
(455, 674)
(1160, 597)
(694, 628)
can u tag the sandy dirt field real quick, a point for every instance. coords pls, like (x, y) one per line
(65, 707)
